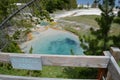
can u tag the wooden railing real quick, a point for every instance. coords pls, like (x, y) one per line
(108, 61)
(62, 60)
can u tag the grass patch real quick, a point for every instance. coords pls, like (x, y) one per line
(81, 32)
(115, 29)
(90, 20)
(53, 72)
(6, 69)
(48, 71)
(86, 19)
(119, 63)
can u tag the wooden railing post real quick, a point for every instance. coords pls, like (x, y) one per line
(115, 53)
(108, 75)
(113, 68)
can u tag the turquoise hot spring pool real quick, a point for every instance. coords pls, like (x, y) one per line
(53, 42)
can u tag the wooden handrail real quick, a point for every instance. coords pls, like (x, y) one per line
(63, 60)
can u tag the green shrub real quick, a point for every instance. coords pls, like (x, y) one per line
(118, 13)
(80, 73)
(117, 20)
(12, 47)
(16, 35)
(6, 68)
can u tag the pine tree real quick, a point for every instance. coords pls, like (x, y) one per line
(100, 37)
(95, 3)
(106, 20)
(73, 4)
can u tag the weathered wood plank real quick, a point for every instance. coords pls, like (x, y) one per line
(115, 52)
(108, 77)
(4, 58)
(8, 77)
(114, 69)
(76, 61)
(66, 60)
(107, 53)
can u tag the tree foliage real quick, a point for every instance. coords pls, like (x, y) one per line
(105, 21)
(80, 73)
(4, 4)
(12, 47)
(52, 5)
(117, 19)
(118, 13)
(95, 3)
(116, 40)
(5, 8)
(100, 40)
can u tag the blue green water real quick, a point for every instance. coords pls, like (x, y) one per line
(44, 23)
(58, 43)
